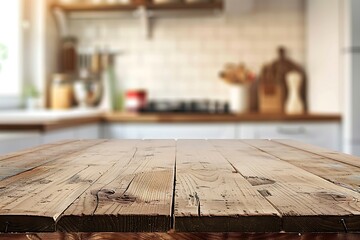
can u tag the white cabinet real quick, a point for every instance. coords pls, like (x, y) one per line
(12, 142)
(351, 76)
(84, 132)
(322, 134)
(351, 137)
(88, 132)
(170, 131)
(323, 55)
(58, 135)
(354, 22)
(325, 134)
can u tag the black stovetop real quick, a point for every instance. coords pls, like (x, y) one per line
(204, 106)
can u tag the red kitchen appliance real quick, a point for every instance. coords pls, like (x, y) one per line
(136, 100)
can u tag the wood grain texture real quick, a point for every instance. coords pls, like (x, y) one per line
(180, 236)
(32, 159)
(34, 149)
(135, 195)
(131, 7)
(6, 172)
(334, 171)
(186, 185)
(214, 118)
(306, 202)
(45, 126)
(212, 196)
(326, 153)
(26, 160)
(33, 200)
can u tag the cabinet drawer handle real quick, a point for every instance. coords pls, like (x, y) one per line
(291, 131)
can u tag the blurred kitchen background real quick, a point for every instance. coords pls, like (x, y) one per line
(184, 69)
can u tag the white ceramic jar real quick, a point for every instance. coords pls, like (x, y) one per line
(239, 98)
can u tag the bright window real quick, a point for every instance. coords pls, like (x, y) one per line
(10, 45)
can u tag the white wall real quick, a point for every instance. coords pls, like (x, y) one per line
(351, 73)
(323, 55)
(185, 55)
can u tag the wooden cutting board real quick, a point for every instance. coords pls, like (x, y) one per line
(272, 87)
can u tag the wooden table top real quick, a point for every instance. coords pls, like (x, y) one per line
(179, 186)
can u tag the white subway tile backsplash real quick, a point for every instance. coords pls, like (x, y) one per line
(183, 58)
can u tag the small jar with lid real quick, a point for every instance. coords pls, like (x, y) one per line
(62, 95)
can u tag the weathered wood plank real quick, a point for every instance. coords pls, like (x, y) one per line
(6, 172)
(34, 149)
(34, 200)
(106, 152)
(120, 185)
(307, 202)
(134, 196)
(339, 173)
(178, 236)
(32, 159)
(340, 157)
(212, 196)
(27, 159)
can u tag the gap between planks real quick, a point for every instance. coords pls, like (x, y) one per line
(211, 196)
(134, 197)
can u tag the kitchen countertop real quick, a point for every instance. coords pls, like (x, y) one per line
(52, 120)
(194, 186)
(213, 118)
(46, 120)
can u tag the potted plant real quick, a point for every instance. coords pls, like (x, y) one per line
(31, 97)
(239, 77)
(3, 54)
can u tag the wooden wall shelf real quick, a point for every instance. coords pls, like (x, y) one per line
(216, 5)
(144, 12)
